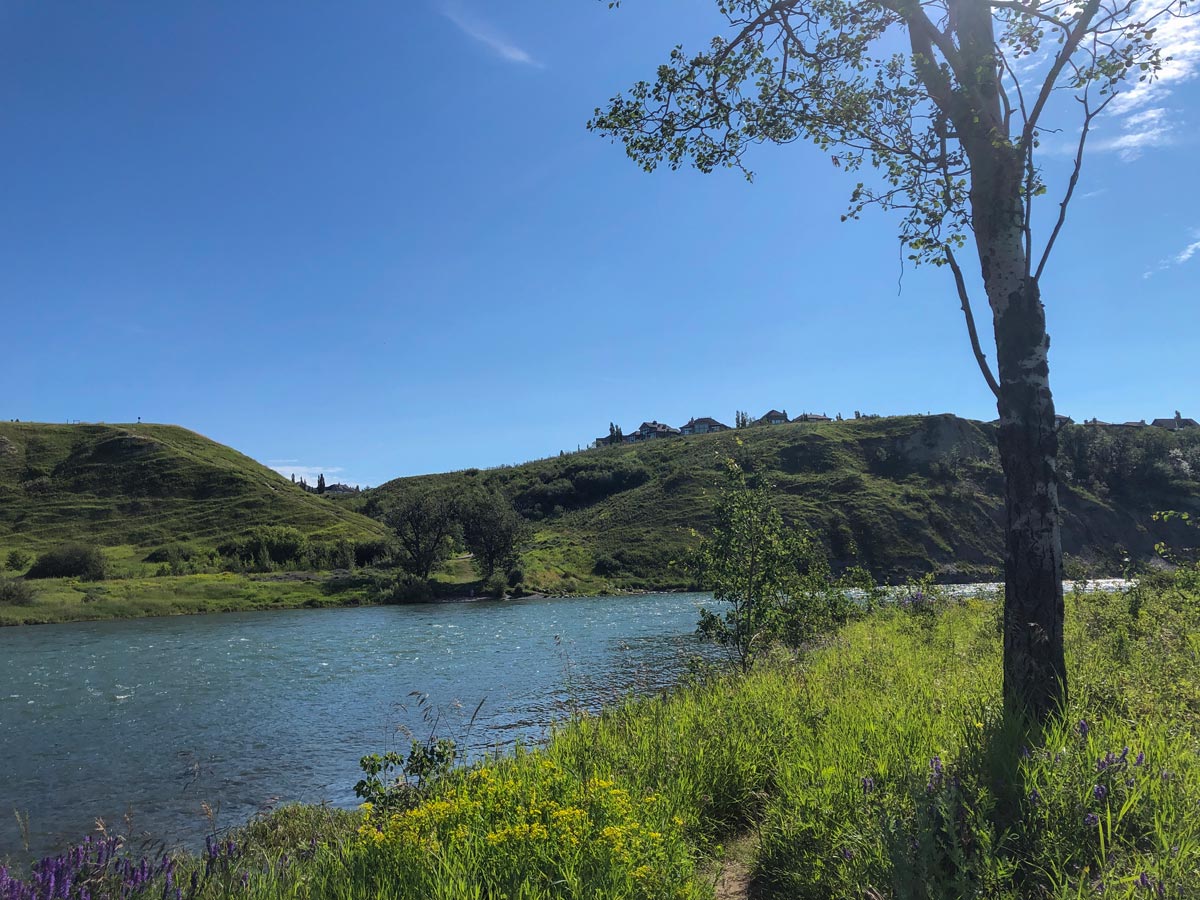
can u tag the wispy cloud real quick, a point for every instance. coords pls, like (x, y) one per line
(1177, 259)
(474, 27)
(1188, 252)
(1144, 118)
(1141, 131)
(289, 467)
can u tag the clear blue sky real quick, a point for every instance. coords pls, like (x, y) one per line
(375, 239)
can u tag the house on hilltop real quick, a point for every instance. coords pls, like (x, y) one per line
(703, 425)
(1176, 424)
(650, 430)
(774, 417)
(812, 417)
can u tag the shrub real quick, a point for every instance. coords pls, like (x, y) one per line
(17, 559)
(496, 586)
(71, 561)
(407, 589)
(605, 566)
(267, 546)
(369, 553)
(16, 592)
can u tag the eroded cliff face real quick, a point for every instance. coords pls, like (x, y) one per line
(902, 496)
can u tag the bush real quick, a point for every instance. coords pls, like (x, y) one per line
(71, 561)
(18, 559)
(266, 547)
(16, 592)
(605, 566)
(496, 586)
(369, 553)
(407, 589)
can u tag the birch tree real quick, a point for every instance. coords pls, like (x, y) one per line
(946, 103)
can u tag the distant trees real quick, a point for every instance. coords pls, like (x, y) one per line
(615, 434)
(741, 419)
(425, 524)
(492, 530)
(321, 483)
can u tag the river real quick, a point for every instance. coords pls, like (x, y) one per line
(155, 718)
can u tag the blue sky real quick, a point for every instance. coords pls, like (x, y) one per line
(376, 239)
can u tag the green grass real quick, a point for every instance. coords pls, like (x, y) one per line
(69, 600)
(878, 765)
(902, 496)
(137, 487)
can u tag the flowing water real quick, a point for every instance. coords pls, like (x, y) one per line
(156, 717)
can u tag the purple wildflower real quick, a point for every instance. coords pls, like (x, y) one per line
(1144, 880)
(868, 784)
(1100, 792)
(1091, 820)
(1140, 759)
(1083, 728)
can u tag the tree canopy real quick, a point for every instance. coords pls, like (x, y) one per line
(947, 101)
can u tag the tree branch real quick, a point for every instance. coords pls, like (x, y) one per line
(1070, 45)
(961, 284)
(1089, 115)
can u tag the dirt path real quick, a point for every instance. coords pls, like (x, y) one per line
(733, 877)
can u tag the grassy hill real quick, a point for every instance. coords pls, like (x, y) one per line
(143, 486)
(902, 496)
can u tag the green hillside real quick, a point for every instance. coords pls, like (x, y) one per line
(143, 486)
(902, 496)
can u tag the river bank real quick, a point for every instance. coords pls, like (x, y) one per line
(876, 762)
(248, 710)
(63, 600)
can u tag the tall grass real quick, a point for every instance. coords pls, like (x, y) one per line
(877, 766)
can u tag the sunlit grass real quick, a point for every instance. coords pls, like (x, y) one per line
(879, 765)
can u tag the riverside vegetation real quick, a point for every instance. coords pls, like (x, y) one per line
(875, 763)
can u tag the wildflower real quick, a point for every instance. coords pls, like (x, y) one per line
(1025, 754)
(1140, 759)
(1091, 820)
(1083, 728)
(1034, 797)
(1100, 792)
(847, 854)
(1144, 880)
(868, 784)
